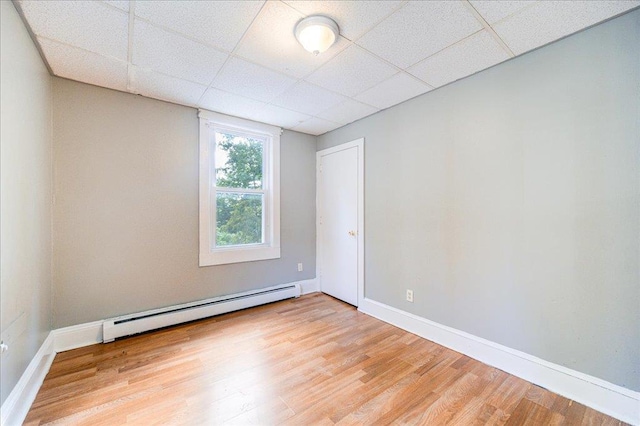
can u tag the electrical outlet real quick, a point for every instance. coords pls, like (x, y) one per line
(299, 267)
(410, 296)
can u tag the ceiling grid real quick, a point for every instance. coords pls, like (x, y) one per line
(489, 29)
(132, 8)
(242, 59)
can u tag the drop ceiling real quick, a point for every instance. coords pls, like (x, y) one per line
(241, 57)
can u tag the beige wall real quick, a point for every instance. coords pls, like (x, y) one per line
(126, 213)
(510, 202)
(25, 216)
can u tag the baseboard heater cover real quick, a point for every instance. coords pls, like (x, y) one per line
(128, 325)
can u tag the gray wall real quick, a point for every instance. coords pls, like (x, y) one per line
(126, 212)
(509, 202)
(25, 216)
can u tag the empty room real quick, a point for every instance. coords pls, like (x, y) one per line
(307, 212)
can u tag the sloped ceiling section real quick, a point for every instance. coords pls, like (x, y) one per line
(241, 57)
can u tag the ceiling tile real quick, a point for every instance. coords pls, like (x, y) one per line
(354, 18)
(316, 126)
(228, 103)
(171, 54)
(271, 42)
(352, 71)
(88, 67)
(92, 26)
(547, 21)
(120, 4)
(179, 47)
(277, 116)
(347, 112)
(217, 23)
(464, 58)
(397, 89)
(493, 11)
(418, 30)
(159, 86)
(307, 98)
(252, 81)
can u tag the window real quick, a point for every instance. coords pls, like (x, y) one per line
(239, 190)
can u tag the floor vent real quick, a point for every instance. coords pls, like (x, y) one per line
(159, 318)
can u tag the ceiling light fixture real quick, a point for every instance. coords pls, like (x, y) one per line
(317, 33)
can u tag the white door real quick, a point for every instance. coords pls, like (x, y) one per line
(339, 239)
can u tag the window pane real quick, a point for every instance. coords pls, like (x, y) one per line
(238, 161)
(239, 219)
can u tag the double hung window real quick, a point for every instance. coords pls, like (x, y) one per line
(239, 190)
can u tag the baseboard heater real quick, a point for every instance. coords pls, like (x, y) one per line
(158, 318)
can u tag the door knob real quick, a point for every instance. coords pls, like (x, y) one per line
(352, 233)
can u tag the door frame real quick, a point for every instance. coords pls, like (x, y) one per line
(359, 144)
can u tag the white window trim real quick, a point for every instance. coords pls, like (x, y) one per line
(270, 249)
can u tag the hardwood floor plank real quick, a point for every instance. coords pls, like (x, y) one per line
(311, 360)
(508, 395)
(387, 401)
(468, 413)
(540, 396)
(529, 413)
(574, 414)
(453, 399)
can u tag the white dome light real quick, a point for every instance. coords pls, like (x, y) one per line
(317, 33)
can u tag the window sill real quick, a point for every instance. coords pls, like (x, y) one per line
(227, 256)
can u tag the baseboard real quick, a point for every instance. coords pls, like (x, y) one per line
(309, 286)
(77, 336)
(608, 398)
(16, 406)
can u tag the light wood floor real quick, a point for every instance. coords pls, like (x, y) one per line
(312, 360)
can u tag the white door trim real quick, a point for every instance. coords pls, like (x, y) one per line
(359, 143)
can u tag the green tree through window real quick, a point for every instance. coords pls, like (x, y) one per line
(240, 192)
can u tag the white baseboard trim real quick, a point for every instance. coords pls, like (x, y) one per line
(16, 406)
(608, 398)
(77, 336)
(309, 286)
